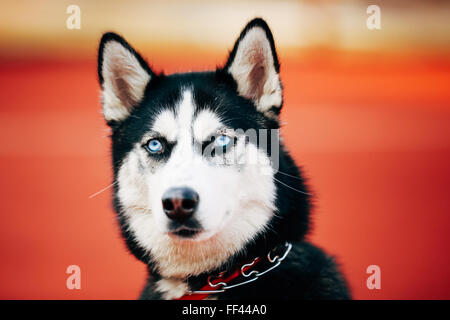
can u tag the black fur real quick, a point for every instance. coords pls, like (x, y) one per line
(307, 272)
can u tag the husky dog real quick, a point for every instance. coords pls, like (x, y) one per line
(207, 221)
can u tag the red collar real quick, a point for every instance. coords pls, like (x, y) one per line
(222, 282)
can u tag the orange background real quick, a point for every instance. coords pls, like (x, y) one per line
(369, 126)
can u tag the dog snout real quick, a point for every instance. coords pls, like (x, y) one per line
(180, 203)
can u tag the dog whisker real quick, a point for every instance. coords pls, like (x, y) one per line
(102, 190)
(289, 175)
(288, 186)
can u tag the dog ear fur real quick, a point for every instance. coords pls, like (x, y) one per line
(253, 64)
(123, 76)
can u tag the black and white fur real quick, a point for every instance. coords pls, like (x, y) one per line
(243, 211)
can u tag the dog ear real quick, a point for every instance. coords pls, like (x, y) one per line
(123, 76)
(253, 64)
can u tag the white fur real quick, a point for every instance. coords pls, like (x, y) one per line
(119, 64)
(236, 202)
(206, 124)
(172, 288)
(252, 50)
(166, 125)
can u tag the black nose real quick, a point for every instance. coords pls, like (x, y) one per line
(180, 203)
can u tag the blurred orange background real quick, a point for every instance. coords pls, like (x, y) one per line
(366, 115)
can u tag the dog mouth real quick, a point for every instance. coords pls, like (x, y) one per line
(188, 229)
(185, 233)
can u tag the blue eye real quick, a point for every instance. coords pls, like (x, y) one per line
(154, 146)
(222, 141)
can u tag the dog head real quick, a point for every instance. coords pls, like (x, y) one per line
(192, 186)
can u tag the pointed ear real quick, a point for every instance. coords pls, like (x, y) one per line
(123, 76)
(253, 64)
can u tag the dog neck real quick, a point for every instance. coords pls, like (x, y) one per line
(240, 272)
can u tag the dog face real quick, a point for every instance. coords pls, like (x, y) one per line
(191, 185)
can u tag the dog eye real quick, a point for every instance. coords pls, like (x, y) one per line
(154, 146)
(222, 141)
